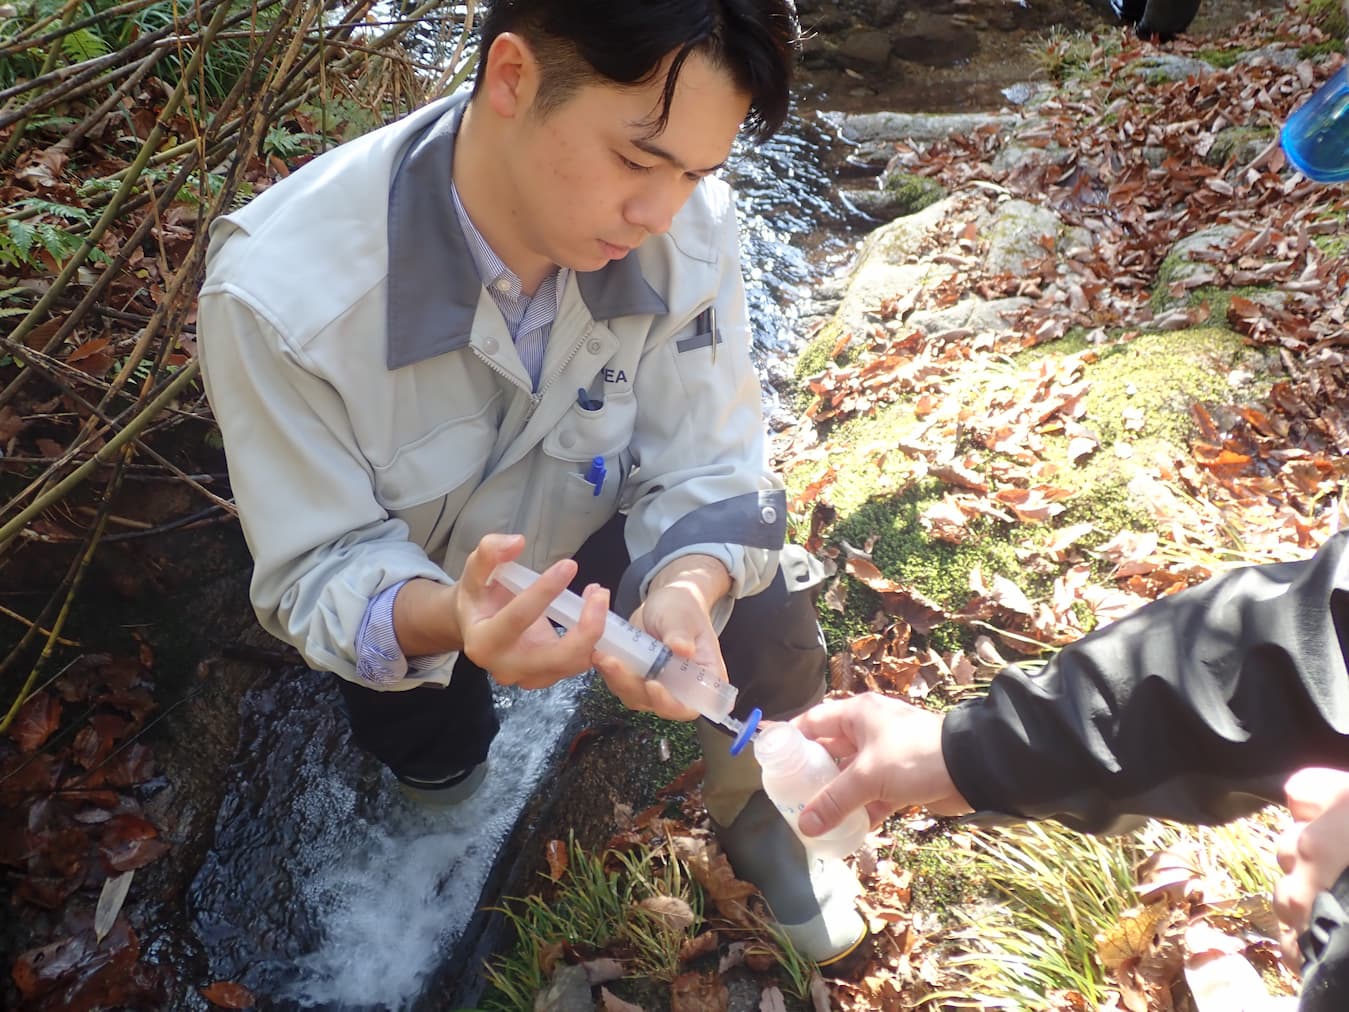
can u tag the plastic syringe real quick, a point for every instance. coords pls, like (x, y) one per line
(687, 681)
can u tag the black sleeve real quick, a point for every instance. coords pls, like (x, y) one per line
(1195, 708)
(1325, 951)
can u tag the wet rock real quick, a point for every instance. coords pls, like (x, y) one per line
(934, 39)
(865, 50)
(900, 193)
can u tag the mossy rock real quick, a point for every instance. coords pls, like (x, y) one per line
(1139, 407)
(910, 193)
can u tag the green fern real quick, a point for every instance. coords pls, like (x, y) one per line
(52, 209)
(83, 45)
(22, 236)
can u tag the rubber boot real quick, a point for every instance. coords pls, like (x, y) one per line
(453, 791)
(813, 901)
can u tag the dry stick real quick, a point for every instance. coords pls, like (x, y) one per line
(84, 76)
(24, 40)
(50, 369)
(75, 135)
(45, 632)
(259, 124)
(129, 432)
(442, 85)
(95, 292)
(75, 74)
(112, 210)
(67, 16)
(180, 281)
(74, 580)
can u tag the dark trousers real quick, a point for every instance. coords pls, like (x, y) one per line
(774, 656)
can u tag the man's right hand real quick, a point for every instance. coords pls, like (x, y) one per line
(1313, 853)
(891, 756)
(505, 634)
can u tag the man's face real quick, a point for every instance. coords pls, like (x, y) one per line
(593, 181)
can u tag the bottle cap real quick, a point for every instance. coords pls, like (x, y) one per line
(747, 731)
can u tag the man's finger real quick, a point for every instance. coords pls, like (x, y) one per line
(1312, 790)
(828, 808)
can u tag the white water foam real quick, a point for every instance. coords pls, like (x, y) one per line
(397, 893)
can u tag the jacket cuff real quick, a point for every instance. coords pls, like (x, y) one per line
(724, 530)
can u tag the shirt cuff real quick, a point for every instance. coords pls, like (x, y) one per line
(379, 659)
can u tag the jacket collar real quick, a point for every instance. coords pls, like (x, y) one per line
(433, 287)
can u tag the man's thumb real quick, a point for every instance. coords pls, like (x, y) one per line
(827, 809)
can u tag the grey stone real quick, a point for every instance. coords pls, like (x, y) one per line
(1277, 55)
(1184, 263)
(568, 991)
(888, 127)
(1239, 145)
(1166, 67)
(1014, 154)
(978, 315)
(1016, 234)
(867, 50)
(934, 39)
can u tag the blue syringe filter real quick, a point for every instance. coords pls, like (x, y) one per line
(747, 731)
(1316, 136)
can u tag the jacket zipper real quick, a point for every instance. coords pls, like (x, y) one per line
(537, 398)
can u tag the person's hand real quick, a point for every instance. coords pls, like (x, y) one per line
(677, 611)
(508, 635)
(891, 756)
(1313, 853)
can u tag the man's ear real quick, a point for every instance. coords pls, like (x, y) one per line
(512, 76)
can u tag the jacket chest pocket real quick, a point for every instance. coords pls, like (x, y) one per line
(426, 483)
(582, 468)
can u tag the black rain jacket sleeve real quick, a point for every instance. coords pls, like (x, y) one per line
(1195, 708)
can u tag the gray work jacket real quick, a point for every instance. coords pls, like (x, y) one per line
(378, 422)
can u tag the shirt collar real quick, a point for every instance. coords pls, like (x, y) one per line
(430, 309)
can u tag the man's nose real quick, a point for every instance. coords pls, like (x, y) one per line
(655, 207)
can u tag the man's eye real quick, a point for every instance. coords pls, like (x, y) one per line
(628, 163)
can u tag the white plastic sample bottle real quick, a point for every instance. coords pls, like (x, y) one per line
(795, 769)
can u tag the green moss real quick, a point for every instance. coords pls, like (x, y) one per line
(945, 878)
(1320, 50)
(904, 553)
(1329, 16)
(1160, 375)
(1221, 58)
(603, 707)
(818, 355)
(913, 192)
(1228, 144)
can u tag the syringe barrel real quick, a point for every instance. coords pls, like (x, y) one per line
(638, 651)
(687, 681)
(692, 684)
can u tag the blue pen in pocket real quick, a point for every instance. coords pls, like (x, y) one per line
(595, 476)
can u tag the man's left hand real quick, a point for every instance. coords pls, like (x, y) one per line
(677, 611)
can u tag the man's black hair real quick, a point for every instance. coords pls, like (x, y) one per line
(624, 41)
